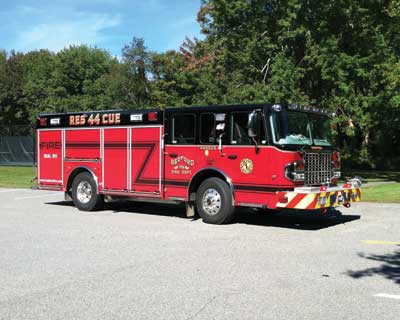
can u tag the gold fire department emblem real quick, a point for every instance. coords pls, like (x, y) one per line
(246, 166)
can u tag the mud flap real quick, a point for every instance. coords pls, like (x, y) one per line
(190, 210)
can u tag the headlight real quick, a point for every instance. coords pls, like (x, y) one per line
(294, 171)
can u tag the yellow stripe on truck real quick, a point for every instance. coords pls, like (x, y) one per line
(328, 199)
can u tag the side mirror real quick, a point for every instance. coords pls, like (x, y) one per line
(253, 124)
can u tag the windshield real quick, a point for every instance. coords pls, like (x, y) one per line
(292, 127)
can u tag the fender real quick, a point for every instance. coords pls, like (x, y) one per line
(78, 170)
(218, 173)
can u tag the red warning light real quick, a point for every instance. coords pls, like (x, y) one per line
(152, 116)
(43, 122)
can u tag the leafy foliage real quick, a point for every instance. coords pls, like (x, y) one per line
(342, 56)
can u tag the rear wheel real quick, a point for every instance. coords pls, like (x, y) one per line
(214, 201)
(84, 193)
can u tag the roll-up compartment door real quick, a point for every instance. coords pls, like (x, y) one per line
(115, 159)
(50, 158)
(146, 162)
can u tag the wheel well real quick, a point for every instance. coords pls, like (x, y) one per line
(74, 173)
(199, 177)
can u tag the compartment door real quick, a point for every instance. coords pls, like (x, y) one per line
(115, 159)
(146, 162)
(50, 158)
(82, 144)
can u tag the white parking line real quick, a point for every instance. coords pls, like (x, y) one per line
(390, 296)
(10, 190)
(380, 242)
(44, 195)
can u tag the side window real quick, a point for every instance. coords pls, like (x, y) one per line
(239, 130)
(207, 128)
(183, 129)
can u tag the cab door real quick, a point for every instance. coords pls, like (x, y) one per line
(181, 153)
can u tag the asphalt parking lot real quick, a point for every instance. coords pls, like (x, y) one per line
(146, 261)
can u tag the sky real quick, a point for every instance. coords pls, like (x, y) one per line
(27, 25)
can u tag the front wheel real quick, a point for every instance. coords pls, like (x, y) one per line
(84, 193)
(214, 201)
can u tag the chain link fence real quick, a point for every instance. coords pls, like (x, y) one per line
(17, 145)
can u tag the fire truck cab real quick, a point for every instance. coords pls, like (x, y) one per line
(212, 158)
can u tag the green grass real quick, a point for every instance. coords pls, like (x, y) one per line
(389, 193)
(16, 177)
(374, 176)
(385, 193)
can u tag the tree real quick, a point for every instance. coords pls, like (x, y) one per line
(136, 67)
(168, 87)
(39, 67)
(12, 108)
(73, 85)
(343, 54)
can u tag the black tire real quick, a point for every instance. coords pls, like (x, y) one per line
(214, 201)
(82, 186)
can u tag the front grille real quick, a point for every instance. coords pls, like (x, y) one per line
(317, 168)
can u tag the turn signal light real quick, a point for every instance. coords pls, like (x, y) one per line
(336, 167)
(336, 160)
(282, 198)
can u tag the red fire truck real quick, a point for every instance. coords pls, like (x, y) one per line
(212, 158)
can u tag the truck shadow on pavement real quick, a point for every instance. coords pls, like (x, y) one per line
(284, 219)
(294, 219)
(389, 269)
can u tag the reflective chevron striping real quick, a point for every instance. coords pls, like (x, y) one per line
(306, 201)
(328, 200)
(290, 196)
(296, 200)
(313, 203)
(310, 200)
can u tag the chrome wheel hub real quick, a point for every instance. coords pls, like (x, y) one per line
(211, 201)
(84, 192)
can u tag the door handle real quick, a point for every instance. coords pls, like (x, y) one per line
(232, 156)
(173, 155)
